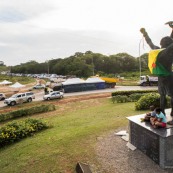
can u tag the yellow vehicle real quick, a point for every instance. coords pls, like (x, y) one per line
(110, 82)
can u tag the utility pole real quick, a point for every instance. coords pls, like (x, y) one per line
(93, 65)
(140, 57)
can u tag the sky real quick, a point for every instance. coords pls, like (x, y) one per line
(42, 30)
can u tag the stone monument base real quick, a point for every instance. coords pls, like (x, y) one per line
(155, 143)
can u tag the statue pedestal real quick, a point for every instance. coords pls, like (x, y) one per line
(155, 143)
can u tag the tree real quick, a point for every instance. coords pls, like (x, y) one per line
(84, 64)
(144, 61)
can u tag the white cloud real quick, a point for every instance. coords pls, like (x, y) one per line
(58, 28)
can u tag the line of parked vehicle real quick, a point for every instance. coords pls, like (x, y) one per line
(40, 76)
(28, 97)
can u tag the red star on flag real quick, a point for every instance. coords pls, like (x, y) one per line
(154, 65)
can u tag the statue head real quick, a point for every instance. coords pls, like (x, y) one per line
(165, 42)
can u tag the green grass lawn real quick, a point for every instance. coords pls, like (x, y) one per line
(71, 138)
(128, 82)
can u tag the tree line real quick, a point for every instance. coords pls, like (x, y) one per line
(85, 65)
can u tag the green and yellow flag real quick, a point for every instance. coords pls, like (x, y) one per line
(155, 67)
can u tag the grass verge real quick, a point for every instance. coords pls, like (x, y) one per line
(72, 138)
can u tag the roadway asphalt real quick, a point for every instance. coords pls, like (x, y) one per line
(39, 96)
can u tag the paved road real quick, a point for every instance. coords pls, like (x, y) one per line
(117, 88)
(39, 96)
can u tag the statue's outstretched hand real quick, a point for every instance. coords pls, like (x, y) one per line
(170, 23)
(143, 31)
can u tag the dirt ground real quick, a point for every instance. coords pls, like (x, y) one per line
(85, 97)
(115, 157)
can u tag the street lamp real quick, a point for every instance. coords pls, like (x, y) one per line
(140, 57)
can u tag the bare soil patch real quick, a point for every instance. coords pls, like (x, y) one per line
(82, 98)
(115, 157)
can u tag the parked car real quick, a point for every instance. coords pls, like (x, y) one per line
(2, 96)
(19, 98)
(39, 86)
(53, 95)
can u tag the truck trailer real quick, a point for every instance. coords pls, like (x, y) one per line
(110, 82)
(148, 81)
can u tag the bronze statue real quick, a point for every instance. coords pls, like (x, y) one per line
(165, 58)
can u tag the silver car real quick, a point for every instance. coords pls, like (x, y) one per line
(39, 86)
(53, 95)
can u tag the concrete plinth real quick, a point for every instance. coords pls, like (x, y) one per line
(155, 143)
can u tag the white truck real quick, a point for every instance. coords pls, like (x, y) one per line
(148, 80)
(19, 98)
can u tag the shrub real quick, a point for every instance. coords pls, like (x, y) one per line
(14, 131)
(120, 99)
(147, 100)
(26, 112)
(113, 99)
(136, 96)
(124, 98)
(168, 104)
(128, 93)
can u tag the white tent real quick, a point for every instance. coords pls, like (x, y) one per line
(94, 80)
(5, 82)
(73, 81)
(17, 85)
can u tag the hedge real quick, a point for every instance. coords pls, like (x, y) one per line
(124, 98)
(26, 112)
(120, 99)
(129, 92)
(17, 130)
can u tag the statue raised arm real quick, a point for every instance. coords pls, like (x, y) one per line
(148, 39)
(164, 59)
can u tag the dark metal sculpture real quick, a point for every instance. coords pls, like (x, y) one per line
(165, 57)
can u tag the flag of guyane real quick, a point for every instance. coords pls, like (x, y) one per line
(155, 67)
